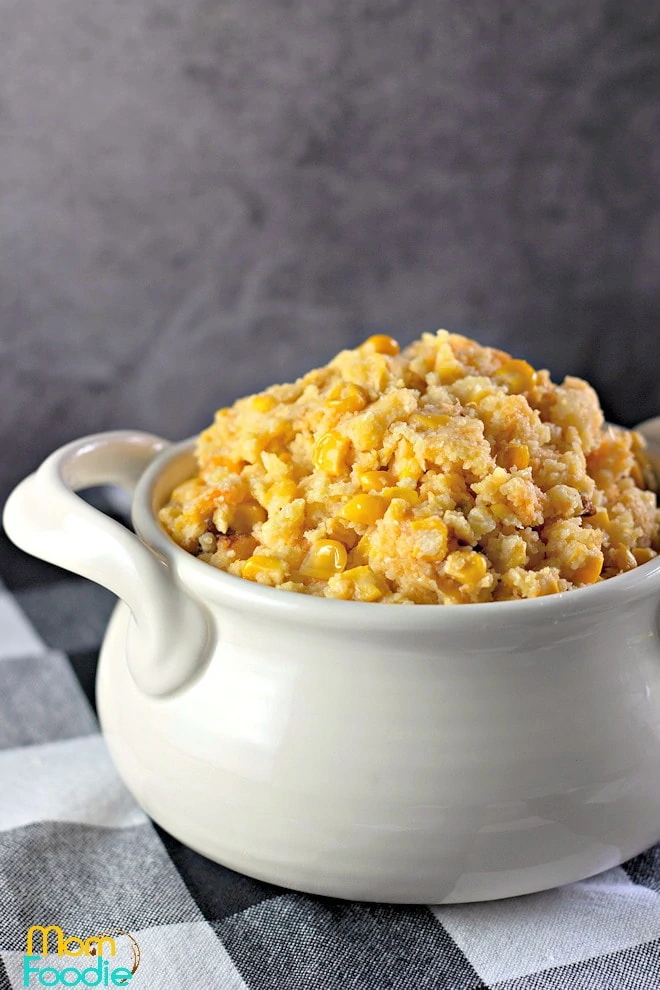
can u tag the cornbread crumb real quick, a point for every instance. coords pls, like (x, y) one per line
(448, 473)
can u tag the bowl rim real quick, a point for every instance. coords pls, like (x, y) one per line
(219, 586)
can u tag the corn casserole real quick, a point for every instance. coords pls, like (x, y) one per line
(446, 473)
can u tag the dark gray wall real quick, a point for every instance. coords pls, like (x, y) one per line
(198, 197)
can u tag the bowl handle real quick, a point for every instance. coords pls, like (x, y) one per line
(169, 637)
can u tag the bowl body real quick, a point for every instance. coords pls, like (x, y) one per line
(399, 753)
(411, 754)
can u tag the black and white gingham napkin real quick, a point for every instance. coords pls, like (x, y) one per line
(75, 850)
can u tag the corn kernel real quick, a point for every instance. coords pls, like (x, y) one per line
(325, 558)
(599, 520)
(263, 569)
(375, 480)
(351, 398)
(428, 421)
(246, 516)
(466, 567)
(430, 538)
(365, 509)
(382, 344)
(330, 453)
(409, 495)
(518, 376)
(643, 554)
(514, 455)
(589, 572)
(264, 403)
(367, 586)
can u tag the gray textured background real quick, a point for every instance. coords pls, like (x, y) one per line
(198, 197)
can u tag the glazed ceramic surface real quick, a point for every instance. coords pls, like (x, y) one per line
(418, 754)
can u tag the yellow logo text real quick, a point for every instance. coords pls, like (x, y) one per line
(69, 945)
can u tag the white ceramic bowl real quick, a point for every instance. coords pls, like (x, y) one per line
(418, 754)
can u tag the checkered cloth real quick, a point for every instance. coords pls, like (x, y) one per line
(75, 850)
